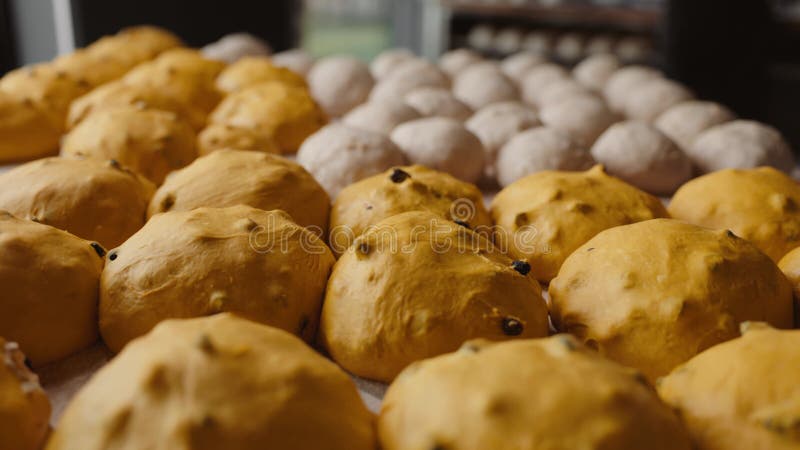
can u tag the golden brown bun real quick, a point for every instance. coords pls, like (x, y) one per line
(26, 132)
(49, 301)
(761, 205)
(135, 45)
(535, 394)
(149, 141)
(236, 177)
(117, 94)
(256, 263)
(218, 382)
(790, 265)
(24, 408)
(545, 216)
(417, 286)
(286, 113)
(217, 136)
(252, 70)
(742, 394)
(653, 294)
(96, 69)
(95, 200)
(403, 189)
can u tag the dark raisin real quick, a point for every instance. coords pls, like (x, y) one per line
(462, 223)
(399, 175)
(730, 234)
(112, 256)
(590, 249)
(363, 248)
(303, 325)
(98, 249)
(28, 363)
(512, 326)
(521, 266)
(114, 163)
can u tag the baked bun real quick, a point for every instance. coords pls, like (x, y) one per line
(653, 294)
(252, 70)
(741, 144)
(412, 188)
(483, 84)
(137, 44)
(233, 177)
(49, 303)
(96, 200)
(24, 408)
(545, 216)
(619, 85)
(258, 264)
(409, 75)
(26, 132)
(149, 141)
(595, 71)
(339, 155)
(437, 102)
(761, 205)
(790, 266)
(583, 117)
(432, 286)
(339, 84)
(95, 69)
(380, 116)
(218, 136)
(297, 60)
(685, 121)
(525, 395)
(387, 60)
(442, 144)
(741, 394)
(217, 382)
(496, 124)
(287, 113)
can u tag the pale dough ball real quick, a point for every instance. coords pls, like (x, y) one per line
(481, 85)
(619, 85)
(438, 102)
(518, 64)
(594, 71)
(409, 75)
(340, 83)
(569, 47)
(583, 117)
(232, 47)
(632, 49)
(600, 44)
(508, 40)
(339, 155)
(539, 42)
(388, 60)
(643, 156)
(220, 382)
(442, 144)
(685, 121)
(741, 144)
(23, 403)
(561, 90)
(297, 60)
(453, 62)
(648, 99)
(380, 116)
(481, 37)
(534, 82)
(539, 149)
(496, 124)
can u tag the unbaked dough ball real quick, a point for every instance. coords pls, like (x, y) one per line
(25, 131)
(595, 71)
(231, 177)
(454, 62)
(648, 99)
(560, 91)
(653, 294)
(583, 117)
(23, 403)
(217, 382)
(236, 46)
(790, 266)
(49, 300)
(148, 141)
(741, 144)
(508, 40)
(482, 84)
(96, 200)
(539, 149)
(409, 75)
(684, 121)
(600, 43)
(401, 189)
(534, 82)
(217, 136)
(258, 264)
(532, 394)
(287, 113)
(545, 216)
(438, 102)
(340, 83)
(643, 156)
(539, 41)
(761, 205)
(388, 60)
(339, 155)
(481, 37)
(442, 144)
(740, 394)
(518, 64)
(297, 60)
(380, 116)
(435, 285)
(619, 85)
(570, 47)
(496, 124)
(633, 49)
(252, 70)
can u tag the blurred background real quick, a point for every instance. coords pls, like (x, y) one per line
(742, 53)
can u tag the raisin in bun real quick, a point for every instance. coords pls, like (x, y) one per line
(24, 408)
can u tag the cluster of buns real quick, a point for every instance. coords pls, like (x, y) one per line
(176, 228)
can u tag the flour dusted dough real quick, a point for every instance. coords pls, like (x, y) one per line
(453, 62)
(297, 60)
(380, 116)
(741, 144)
(582, 117)
(685, 121)
(438, 102)
(409, 75)
(648, 99)
(518, 64)
(340, 83)
(235, 46)
(534, 82)
(595, 71)
(480, 85)
(388, 60)
(619, 85)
